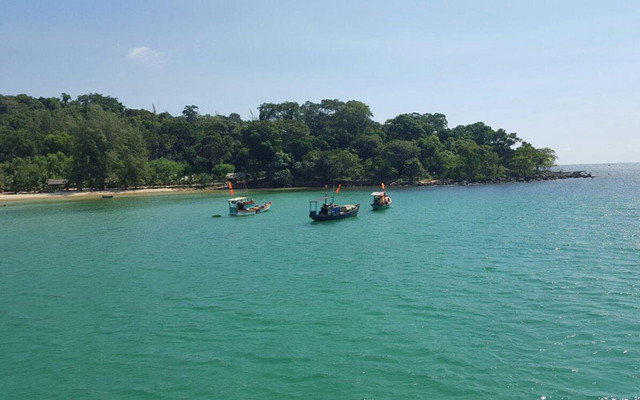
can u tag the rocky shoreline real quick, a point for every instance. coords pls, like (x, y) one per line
(543, 176)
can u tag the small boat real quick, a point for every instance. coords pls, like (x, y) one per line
(381, 200)
(330, 210)
(107, 196)
(244, 206)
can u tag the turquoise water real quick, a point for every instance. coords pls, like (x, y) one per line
(512, 291)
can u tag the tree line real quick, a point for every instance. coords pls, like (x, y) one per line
(96, 142)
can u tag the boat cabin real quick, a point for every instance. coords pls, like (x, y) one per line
(325, 209)
(238, 204)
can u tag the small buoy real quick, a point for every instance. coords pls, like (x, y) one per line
(216, 216)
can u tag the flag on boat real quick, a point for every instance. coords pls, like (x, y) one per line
(382, 185)
(230, 186)
(338, 189)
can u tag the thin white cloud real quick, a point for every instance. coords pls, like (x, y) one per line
(145, 55)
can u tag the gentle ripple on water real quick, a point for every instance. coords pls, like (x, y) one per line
(497, 291)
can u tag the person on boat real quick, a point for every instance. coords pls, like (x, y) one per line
(324, 209)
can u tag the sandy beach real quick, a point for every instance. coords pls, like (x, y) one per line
(74, 194)
(88, 194)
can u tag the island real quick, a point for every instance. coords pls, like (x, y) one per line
(95, 142)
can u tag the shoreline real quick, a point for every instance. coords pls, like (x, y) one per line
(95, 194)
(543, 176)
(89, 194)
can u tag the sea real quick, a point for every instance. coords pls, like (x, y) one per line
(498, 291)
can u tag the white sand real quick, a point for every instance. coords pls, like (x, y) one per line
(73, 194)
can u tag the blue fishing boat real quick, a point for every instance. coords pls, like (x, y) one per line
(330, 210)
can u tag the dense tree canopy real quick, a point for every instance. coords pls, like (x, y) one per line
(94, 141)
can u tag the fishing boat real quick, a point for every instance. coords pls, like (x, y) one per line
(240, 206)
(381, 200)
(330, 210)
(245, 206)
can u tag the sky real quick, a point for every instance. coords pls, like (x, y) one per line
(561, 74)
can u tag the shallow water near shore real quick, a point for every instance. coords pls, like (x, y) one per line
(513, 291)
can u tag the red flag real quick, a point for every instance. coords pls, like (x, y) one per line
(230, 186)
(382, 185)
(338, 189)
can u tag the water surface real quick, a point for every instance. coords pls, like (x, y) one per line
(494, 291)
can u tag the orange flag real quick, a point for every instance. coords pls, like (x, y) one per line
(338, 189)
(230, 186)
(382, 185)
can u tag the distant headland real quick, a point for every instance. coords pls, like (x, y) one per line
(95, 142)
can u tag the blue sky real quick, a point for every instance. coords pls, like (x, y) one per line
(564, 75)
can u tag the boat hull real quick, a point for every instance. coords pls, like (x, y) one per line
(331, 217)
(380, 207)
(254, 210)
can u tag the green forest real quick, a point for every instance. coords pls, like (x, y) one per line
(96, 142)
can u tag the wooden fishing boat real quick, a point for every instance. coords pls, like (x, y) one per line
(381, 200)
(240, 206)
(330, 210)
(245, 206)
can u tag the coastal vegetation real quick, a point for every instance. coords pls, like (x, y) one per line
(96, 142)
